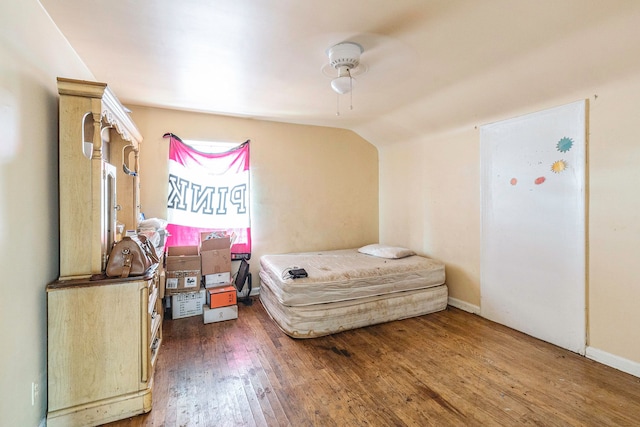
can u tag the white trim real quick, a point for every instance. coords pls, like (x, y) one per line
(617, 362)
(462, 305)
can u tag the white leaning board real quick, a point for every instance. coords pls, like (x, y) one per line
(533, 224)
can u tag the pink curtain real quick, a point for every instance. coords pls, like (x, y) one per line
(208, 192)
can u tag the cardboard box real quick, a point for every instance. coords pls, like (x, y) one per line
(215, 254)
(212, 315)
(181, 251)
(218, 261)
(218, 279)
(221, 296)
(215, 243)
(187, 304)
(183, 272)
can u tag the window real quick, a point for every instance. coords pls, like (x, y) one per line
(209, 191)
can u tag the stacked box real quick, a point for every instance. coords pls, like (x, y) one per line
(217, 279)
(187, 304)
(183, 269)
(221, 296)
(212, 315)
(221, 304)
(215, 257)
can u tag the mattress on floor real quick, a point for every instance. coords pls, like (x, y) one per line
(311, 321)
(345, 275)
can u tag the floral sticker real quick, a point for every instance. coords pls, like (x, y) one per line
(558, 166)
(564, 144)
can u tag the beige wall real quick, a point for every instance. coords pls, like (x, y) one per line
(312, 188)
(430, 201)
(614, 219)
(29, 194)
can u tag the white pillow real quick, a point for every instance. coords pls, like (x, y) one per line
(385, 251)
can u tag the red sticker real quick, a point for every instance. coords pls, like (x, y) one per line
(540, 180)
(514, 181)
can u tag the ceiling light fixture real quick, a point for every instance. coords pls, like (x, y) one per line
(344, 82)
(344, 58)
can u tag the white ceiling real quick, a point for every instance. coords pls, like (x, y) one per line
(432, 64)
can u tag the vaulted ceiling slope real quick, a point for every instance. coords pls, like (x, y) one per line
(431, 64)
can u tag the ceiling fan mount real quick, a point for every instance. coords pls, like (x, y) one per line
(344, 55)
(344, 64)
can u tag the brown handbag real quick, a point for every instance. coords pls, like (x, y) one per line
(131, 257)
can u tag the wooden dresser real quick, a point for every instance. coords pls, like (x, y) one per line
(103, 342)
(103, 334)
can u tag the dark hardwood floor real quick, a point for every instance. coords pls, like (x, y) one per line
(449, 368)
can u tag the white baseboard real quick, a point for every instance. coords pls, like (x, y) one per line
(611, 360)
(617, 362)
(462, 305)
